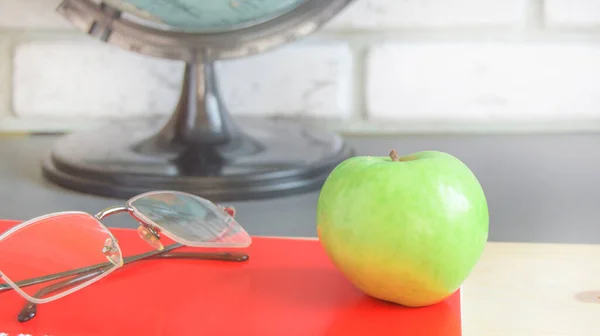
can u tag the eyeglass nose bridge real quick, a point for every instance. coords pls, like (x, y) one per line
(112, 211)
(149, 234)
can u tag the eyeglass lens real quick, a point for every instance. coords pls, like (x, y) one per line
(53, 244)
(190, 219)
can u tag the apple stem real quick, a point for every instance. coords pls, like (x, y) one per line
(394, 156)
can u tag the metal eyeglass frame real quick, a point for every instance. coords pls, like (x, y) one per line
(99, 271)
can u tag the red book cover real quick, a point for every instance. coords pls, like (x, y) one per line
(287, 287)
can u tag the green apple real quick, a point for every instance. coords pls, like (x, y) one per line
(408, 229)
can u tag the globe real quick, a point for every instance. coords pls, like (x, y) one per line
(205, 15)
(200, 148)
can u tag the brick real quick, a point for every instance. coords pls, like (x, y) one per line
(474, 83)
(303, 80)
(572, 12)
(71, 79)
(385, 14)
(31, 14)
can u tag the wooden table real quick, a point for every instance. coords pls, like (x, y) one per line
(520, 289)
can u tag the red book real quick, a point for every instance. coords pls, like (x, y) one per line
(287, 287)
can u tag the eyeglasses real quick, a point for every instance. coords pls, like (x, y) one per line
(75, 246)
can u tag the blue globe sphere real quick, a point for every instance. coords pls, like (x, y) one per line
(205, 15)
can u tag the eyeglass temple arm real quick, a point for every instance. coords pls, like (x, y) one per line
(226, 256)
(55, 276)
(30, 309)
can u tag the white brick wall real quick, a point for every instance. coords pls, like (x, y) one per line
(75, 79)
(381, 64)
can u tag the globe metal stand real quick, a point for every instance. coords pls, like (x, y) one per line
(201, 149)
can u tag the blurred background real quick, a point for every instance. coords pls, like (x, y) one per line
(508, 86)
(408, 65)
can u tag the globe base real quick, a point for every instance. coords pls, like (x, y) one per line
(267, 159)
(201, 149)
